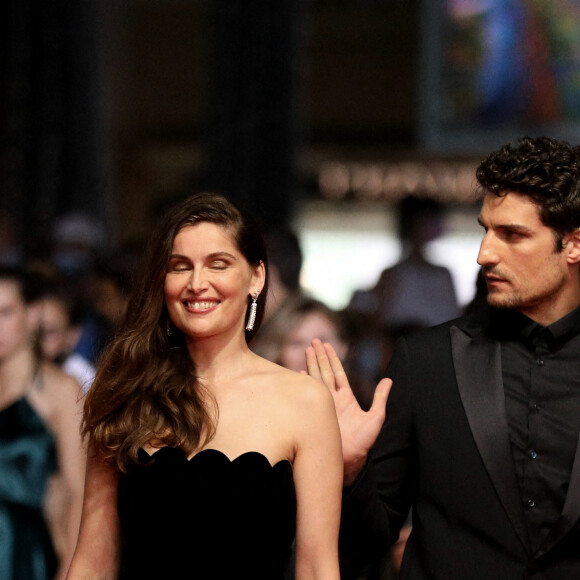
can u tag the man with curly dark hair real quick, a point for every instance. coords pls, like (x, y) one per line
(481, 436)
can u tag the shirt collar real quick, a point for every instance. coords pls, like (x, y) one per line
(566, 327)
(511, 324)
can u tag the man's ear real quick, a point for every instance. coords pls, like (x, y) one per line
(572, 246)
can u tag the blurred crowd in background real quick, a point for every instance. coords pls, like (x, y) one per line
(79, 290)
(120, 102)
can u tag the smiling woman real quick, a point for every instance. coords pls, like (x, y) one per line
(208, 282)
(201, 449)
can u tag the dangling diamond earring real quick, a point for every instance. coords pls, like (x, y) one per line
(168, 328)
(253, 310)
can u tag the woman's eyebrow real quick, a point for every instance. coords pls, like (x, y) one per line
(212, 256)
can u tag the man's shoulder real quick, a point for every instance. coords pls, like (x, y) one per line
(439, 334)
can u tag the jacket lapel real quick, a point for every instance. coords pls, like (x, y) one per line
(477, 362)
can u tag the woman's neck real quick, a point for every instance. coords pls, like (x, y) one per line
(217, 360)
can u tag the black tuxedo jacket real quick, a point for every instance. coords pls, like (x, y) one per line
(445, 451)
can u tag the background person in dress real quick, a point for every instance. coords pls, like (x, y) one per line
(41, 458)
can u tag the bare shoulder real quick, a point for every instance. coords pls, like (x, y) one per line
(297, 411)
(59, 391)
(306, 407)
(57, 381)
(299, 391)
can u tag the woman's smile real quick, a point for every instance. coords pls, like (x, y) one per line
(201, 305)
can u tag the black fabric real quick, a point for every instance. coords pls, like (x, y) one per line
(208, 517)
(254, 128)
(541, 377)
(52, 152)
(446, 450)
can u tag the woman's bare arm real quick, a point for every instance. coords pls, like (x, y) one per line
(63, 504)
(97, 554)
(318, 481)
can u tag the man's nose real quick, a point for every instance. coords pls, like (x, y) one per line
(487, 253)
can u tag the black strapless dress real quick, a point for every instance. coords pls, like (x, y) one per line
(206, 518)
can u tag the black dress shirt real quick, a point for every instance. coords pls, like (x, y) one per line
(541, 376)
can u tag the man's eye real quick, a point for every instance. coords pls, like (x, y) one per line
(511, 236)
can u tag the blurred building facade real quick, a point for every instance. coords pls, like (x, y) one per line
(119, 107)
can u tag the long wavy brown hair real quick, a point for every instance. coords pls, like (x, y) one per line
(146, 390)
